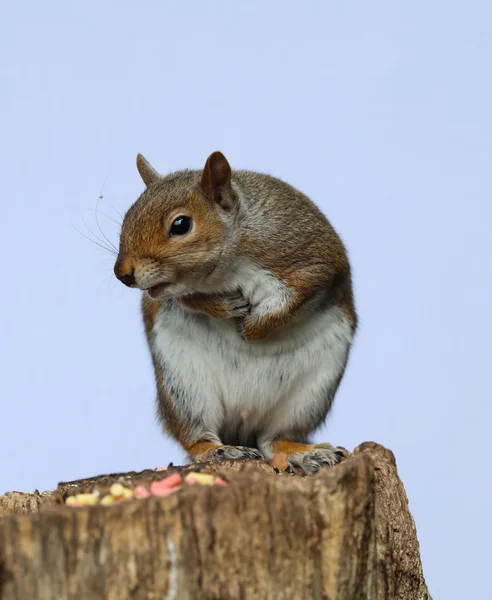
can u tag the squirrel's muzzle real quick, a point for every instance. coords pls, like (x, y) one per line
(125, 272)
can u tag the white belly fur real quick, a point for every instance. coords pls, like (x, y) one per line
(265, 389)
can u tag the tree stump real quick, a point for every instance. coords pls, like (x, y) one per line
(344, 534)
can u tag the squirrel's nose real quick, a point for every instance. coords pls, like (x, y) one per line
(128, 279)
(125, 272)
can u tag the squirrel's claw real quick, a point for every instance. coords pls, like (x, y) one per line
(322, 455)
(237, 306)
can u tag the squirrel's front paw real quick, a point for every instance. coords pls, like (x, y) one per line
(232, 453)
(236, 305)
(217, 306)
(320, 455)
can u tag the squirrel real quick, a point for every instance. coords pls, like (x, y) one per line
(248, 310)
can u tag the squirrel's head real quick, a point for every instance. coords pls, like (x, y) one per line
(172, 238)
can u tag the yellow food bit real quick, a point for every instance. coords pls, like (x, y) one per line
(117, 493)
(107, 500)
(82, 500)
(87, 499)
(127, 493)
(120, 492)
(116, 489)
(200, 478)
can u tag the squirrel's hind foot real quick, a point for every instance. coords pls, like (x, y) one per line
(321, 455)
(308, 457)
(233, 453)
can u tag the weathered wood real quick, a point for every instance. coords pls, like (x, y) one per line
(18, 502)
(341, 535)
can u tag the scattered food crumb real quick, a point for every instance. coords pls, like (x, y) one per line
(141, 492)
(162, 491)
(220, 481)
(120, 492)
(107, 500)
(173, 480)
(82, 500)
(165, 487)
(116, 489)
(200, 478)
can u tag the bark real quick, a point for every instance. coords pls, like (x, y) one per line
(344, 534)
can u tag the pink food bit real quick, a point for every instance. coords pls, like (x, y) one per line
(170, 482)
(190, 480)
(161, 469)
(163, 492)
(173, 480)
(76, 504)
(155, 487)
(220, 481)
(141, 492)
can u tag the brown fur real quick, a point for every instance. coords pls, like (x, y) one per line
(268, 221)
(305, 284)
(288, 447)
(145, 235)
(200, 448)
(167, 412)
(291, 238)
(210, 305)
(150, 310)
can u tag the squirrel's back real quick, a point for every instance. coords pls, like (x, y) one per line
(283, 222)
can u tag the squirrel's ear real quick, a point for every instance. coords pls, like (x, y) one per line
(216, 180)
(146, 170)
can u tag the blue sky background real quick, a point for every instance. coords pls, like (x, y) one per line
(380, 111)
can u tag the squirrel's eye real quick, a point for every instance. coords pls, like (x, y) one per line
(180, 226)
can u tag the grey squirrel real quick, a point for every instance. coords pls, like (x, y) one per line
(248, 310)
